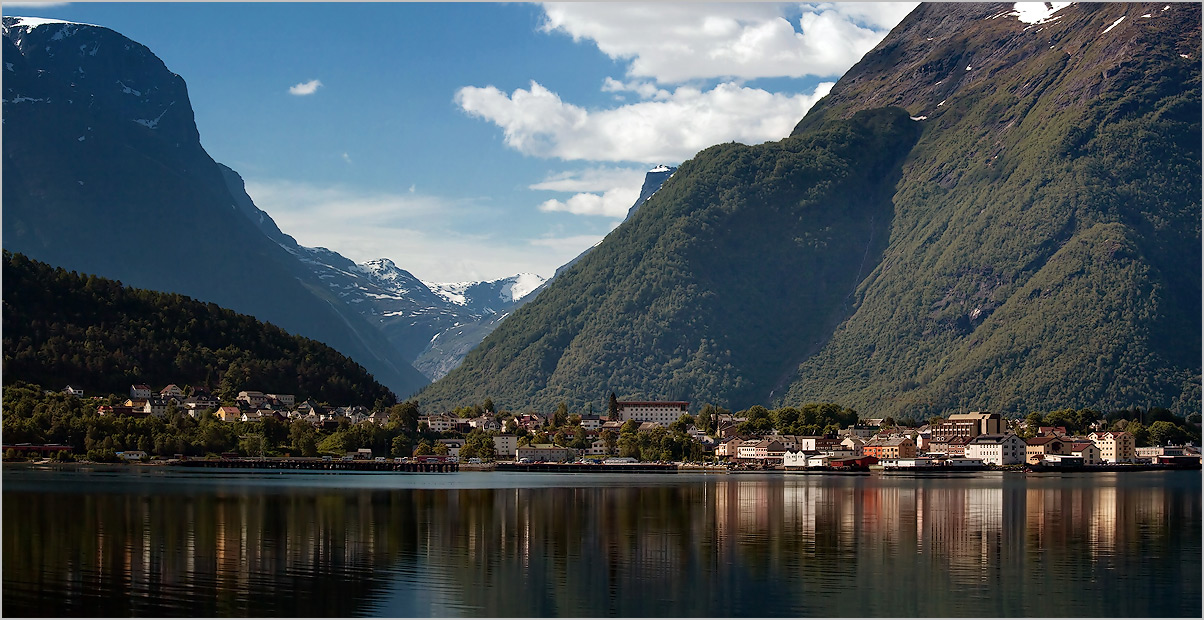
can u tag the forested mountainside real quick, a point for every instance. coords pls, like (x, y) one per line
(690, 296)
(1046, 239)
(63, 328)
(985, 212)
(104, 173)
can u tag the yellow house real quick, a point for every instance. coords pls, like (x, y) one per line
(1115, 446)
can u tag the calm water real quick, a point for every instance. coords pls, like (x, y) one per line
(183, 543)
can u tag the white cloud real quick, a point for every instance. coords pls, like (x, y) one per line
(675, 42)
(415, 231)
(599, 178)
(346, 158)
(305, 88)
(537, 122)
(572, 245)
(604, 191)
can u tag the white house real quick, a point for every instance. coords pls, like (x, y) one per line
(505, 446)
(996, 449)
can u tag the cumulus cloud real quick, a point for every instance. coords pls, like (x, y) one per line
(537, 122)
(305, 88)
(675, 43)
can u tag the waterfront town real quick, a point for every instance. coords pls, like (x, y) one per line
(967, 441)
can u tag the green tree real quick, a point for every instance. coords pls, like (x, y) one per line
(612, 407)
(611, 439)
(561, 417)
(1141, 435)
(1163, 433)
(406, 416)
(479, 444)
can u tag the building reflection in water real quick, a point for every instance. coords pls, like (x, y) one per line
(711, 546)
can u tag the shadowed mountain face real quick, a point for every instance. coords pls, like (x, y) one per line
(984, 212)
(104, 173)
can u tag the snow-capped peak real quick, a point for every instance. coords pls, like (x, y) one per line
(34, 22)
(661, 168)
(1037, 12)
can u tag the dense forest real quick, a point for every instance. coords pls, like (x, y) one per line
(63, 328)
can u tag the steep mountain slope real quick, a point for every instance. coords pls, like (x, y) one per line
(685, 299)
(1028, 239)
(411, 314)
(1046, 245)
(104, 173)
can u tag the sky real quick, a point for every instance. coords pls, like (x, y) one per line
(474, 141)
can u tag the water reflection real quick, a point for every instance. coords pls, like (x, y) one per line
(1124, 544)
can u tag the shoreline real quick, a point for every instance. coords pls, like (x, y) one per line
(391, 466)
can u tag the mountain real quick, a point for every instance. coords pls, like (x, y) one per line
(993, 209)
(53, 320)
(104, 173)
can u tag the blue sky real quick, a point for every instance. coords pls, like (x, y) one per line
(472, 141)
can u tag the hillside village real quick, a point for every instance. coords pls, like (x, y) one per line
(964, 440)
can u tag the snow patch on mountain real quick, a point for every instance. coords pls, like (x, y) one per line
(453, 292)
(1037, 12)
(522, 285)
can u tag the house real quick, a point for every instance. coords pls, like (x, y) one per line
(591, 422)
(453, 446)
(1064, 460)
(996, 449)
(287, 401)
(795, 459)
(486, 423)
(1115, 446)
(769, 450)
(505, 445)
(140, 391)
(1037, 448)
(106, 410)
(728, 448)
(228, 414)
(74, 391)
(132, 455)
(439, 423)
(1087, 450)
(597, 448)
(817, 443)
(969, 425)
(662, 413)
(172, 391)
(890, 448)
(253, 398)
(854, 444)
(200, 399)
(952, 446)
(545, 452)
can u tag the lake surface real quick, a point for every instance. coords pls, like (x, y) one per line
(166, 542)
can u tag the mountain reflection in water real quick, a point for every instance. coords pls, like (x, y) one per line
(471, 544)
